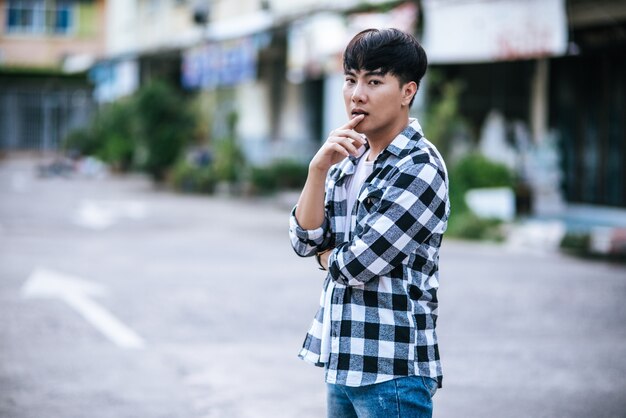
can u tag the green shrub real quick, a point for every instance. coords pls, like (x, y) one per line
(116, 125)
(475, 171)
(110, 135)
(189, 178)
(280, 175)
(263, 180)
(469, 226)
(165, 124)
(290, 174)
(229, 160)
(118, 151)
(442, 119)
(149, 129)
(576, 242)
(471, 172)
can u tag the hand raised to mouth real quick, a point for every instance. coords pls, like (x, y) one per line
(341, 143)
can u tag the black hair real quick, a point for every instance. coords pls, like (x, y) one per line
(389, 51)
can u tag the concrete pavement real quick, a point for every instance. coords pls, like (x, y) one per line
(222, 304)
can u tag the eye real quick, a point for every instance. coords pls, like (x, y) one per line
(349, 80)
(375, 82)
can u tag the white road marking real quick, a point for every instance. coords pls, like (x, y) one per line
(76, 292)
(100, 215)
(19, 183)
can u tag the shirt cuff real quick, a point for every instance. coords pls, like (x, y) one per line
(316, 235)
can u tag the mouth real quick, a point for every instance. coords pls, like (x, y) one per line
(357, 112)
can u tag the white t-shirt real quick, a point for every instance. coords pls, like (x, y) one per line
(363, 170)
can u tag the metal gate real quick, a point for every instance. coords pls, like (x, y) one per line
(40, 119)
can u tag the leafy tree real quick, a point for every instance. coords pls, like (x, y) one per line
(165, 125)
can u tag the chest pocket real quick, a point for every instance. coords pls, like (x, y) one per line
(369, 199)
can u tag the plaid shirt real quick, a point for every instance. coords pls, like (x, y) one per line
(384, 305)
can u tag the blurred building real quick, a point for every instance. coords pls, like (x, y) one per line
(145, 40)
(548, 78)
(587, 105)
(544, 80)
(46, 47)
(277, 64)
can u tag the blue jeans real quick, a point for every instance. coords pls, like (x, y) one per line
(406, 397)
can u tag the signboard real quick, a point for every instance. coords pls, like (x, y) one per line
(220, 64)
(468, 31)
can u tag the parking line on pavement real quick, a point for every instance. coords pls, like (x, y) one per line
(77, 293)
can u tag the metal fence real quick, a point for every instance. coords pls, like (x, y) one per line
(40, 120)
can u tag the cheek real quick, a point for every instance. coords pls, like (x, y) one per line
(346, 96)
(347, 103)
(392, 100)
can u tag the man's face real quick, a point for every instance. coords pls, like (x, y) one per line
(379, 96)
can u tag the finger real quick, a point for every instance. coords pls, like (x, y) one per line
(354, 136)
(352, 123)
(347, 143)
(343, 143)
(339, 149)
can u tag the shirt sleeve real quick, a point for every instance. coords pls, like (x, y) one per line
(307, 242)
(404, 214)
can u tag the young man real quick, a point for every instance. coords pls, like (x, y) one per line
(373, 211)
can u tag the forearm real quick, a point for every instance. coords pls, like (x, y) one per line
(340, 144)
(309, 225)
(310, 209)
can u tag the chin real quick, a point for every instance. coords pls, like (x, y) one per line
(361, 128)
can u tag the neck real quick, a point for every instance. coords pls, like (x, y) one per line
(378, 141)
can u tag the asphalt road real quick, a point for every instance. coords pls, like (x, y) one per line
(119, 300)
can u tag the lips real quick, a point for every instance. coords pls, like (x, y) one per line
(357, 112)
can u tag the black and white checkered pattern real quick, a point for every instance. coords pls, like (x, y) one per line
(384, 305)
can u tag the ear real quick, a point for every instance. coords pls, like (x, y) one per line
(408, 91)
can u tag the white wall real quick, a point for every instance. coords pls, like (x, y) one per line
(166, 23)
(253, 129)
(293, 120)
(121, 34)
(139, 25)
(251, 99)
(334, 108)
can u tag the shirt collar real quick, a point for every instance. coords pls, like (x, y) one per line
(400, 146)
(406, 140)
(348, 166)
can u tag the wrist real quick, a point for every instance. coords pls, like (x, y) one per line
(322, 261)
(317, 172)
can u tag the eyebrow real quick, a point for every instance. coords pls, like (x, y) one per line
(367, 73)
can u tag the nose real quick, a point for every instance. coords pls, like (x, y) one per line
(358, 93)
